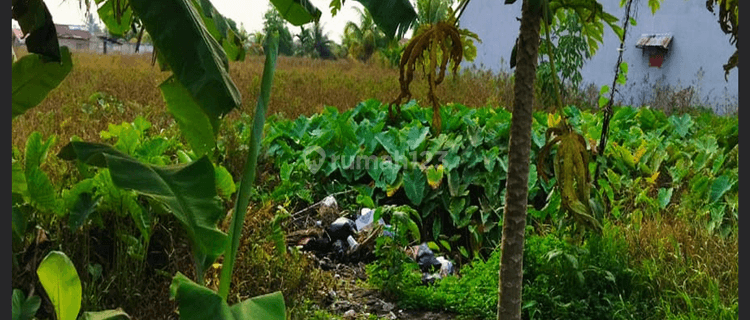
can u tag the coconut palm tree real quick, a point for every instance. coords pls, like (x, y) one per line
(363, 39)
(314, 43)
(254, 43)
(431, 12)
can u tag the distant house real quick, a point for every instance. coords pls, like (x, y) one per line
(18, 38)
(78, 38)
(74, 37)
(680, 48)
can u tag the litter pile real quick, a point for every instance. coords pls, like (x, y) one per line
(344, 240)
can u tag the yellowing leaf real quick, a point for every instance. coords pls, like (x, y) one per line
(391, 189)
(652, 178)
(639, 153)
(434, 176)
(552, 120)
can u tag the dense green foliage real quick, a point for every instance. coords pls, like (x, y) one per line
(455, 180)
(561, 281)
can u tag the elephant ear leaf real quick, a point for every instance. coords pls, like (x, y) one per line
(188, 190)
(198, 302)
(24, 308)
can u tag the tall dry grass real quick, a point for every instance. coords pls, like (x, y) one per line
(302, 86)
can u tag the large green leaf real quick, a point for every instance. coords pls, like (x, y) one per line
(221, 30)
(36, 149)
(18, 179)
(24, 308)
(85, 206)
(197, 60)
(19, 220)
(681, 124)
(59, 277)
(189, 191)
(198, 302)
(35, 20)
(719, 187)
(416, 136)
(394, 17)
(241, 203)
(224, 182)
(42, 192)
(33, 77)
(297, 12)
(194, 124)
(665, 196)
(117, 16)
(414, 184)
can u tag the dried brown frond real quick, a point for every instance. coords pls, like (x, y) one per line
(571, 170)
(440, 41)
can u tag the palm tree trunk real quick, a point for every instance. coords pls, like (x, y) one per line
(516, 199)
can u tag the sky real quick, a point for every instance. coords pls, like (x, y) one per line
(249, 13)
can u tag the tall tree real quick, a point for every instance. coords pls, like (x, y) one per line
(363, 39)
(516, 197)
(313, 42)
(274, 22)
(432, 11)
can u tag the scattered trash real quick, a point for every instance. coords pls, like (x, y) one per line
(330, 202)
(338, 239)
(351, 314)
(433, 268)
(353, 245)
(341, 229)
(426, 259)
(339, 248)
(365, 220)
(446, 267)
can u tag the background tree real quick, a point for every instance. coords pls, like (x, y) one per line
(729, 21)
(432, 11)
(363, 39)
(254, 43)
(314, 43)
(274, 22)
(92, 24)
(524, 58)
(570, 50)
(519, 149)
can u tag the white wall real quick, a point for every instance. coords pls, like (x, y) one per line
(699, 49)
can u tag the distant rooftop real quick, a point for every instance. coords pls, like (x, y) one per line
(72, 32)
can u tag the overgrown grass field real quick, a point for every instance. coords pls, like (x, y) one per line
(667, 248)
(302, 86)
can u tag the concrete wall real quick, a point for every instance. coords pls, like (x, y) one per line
(693, 63)
(97, 46)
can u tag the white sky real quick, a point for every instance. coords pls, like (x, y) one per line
(247, 12)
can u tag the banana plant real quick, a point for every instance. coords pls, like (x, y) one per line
(60, 281)
(195, 43)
